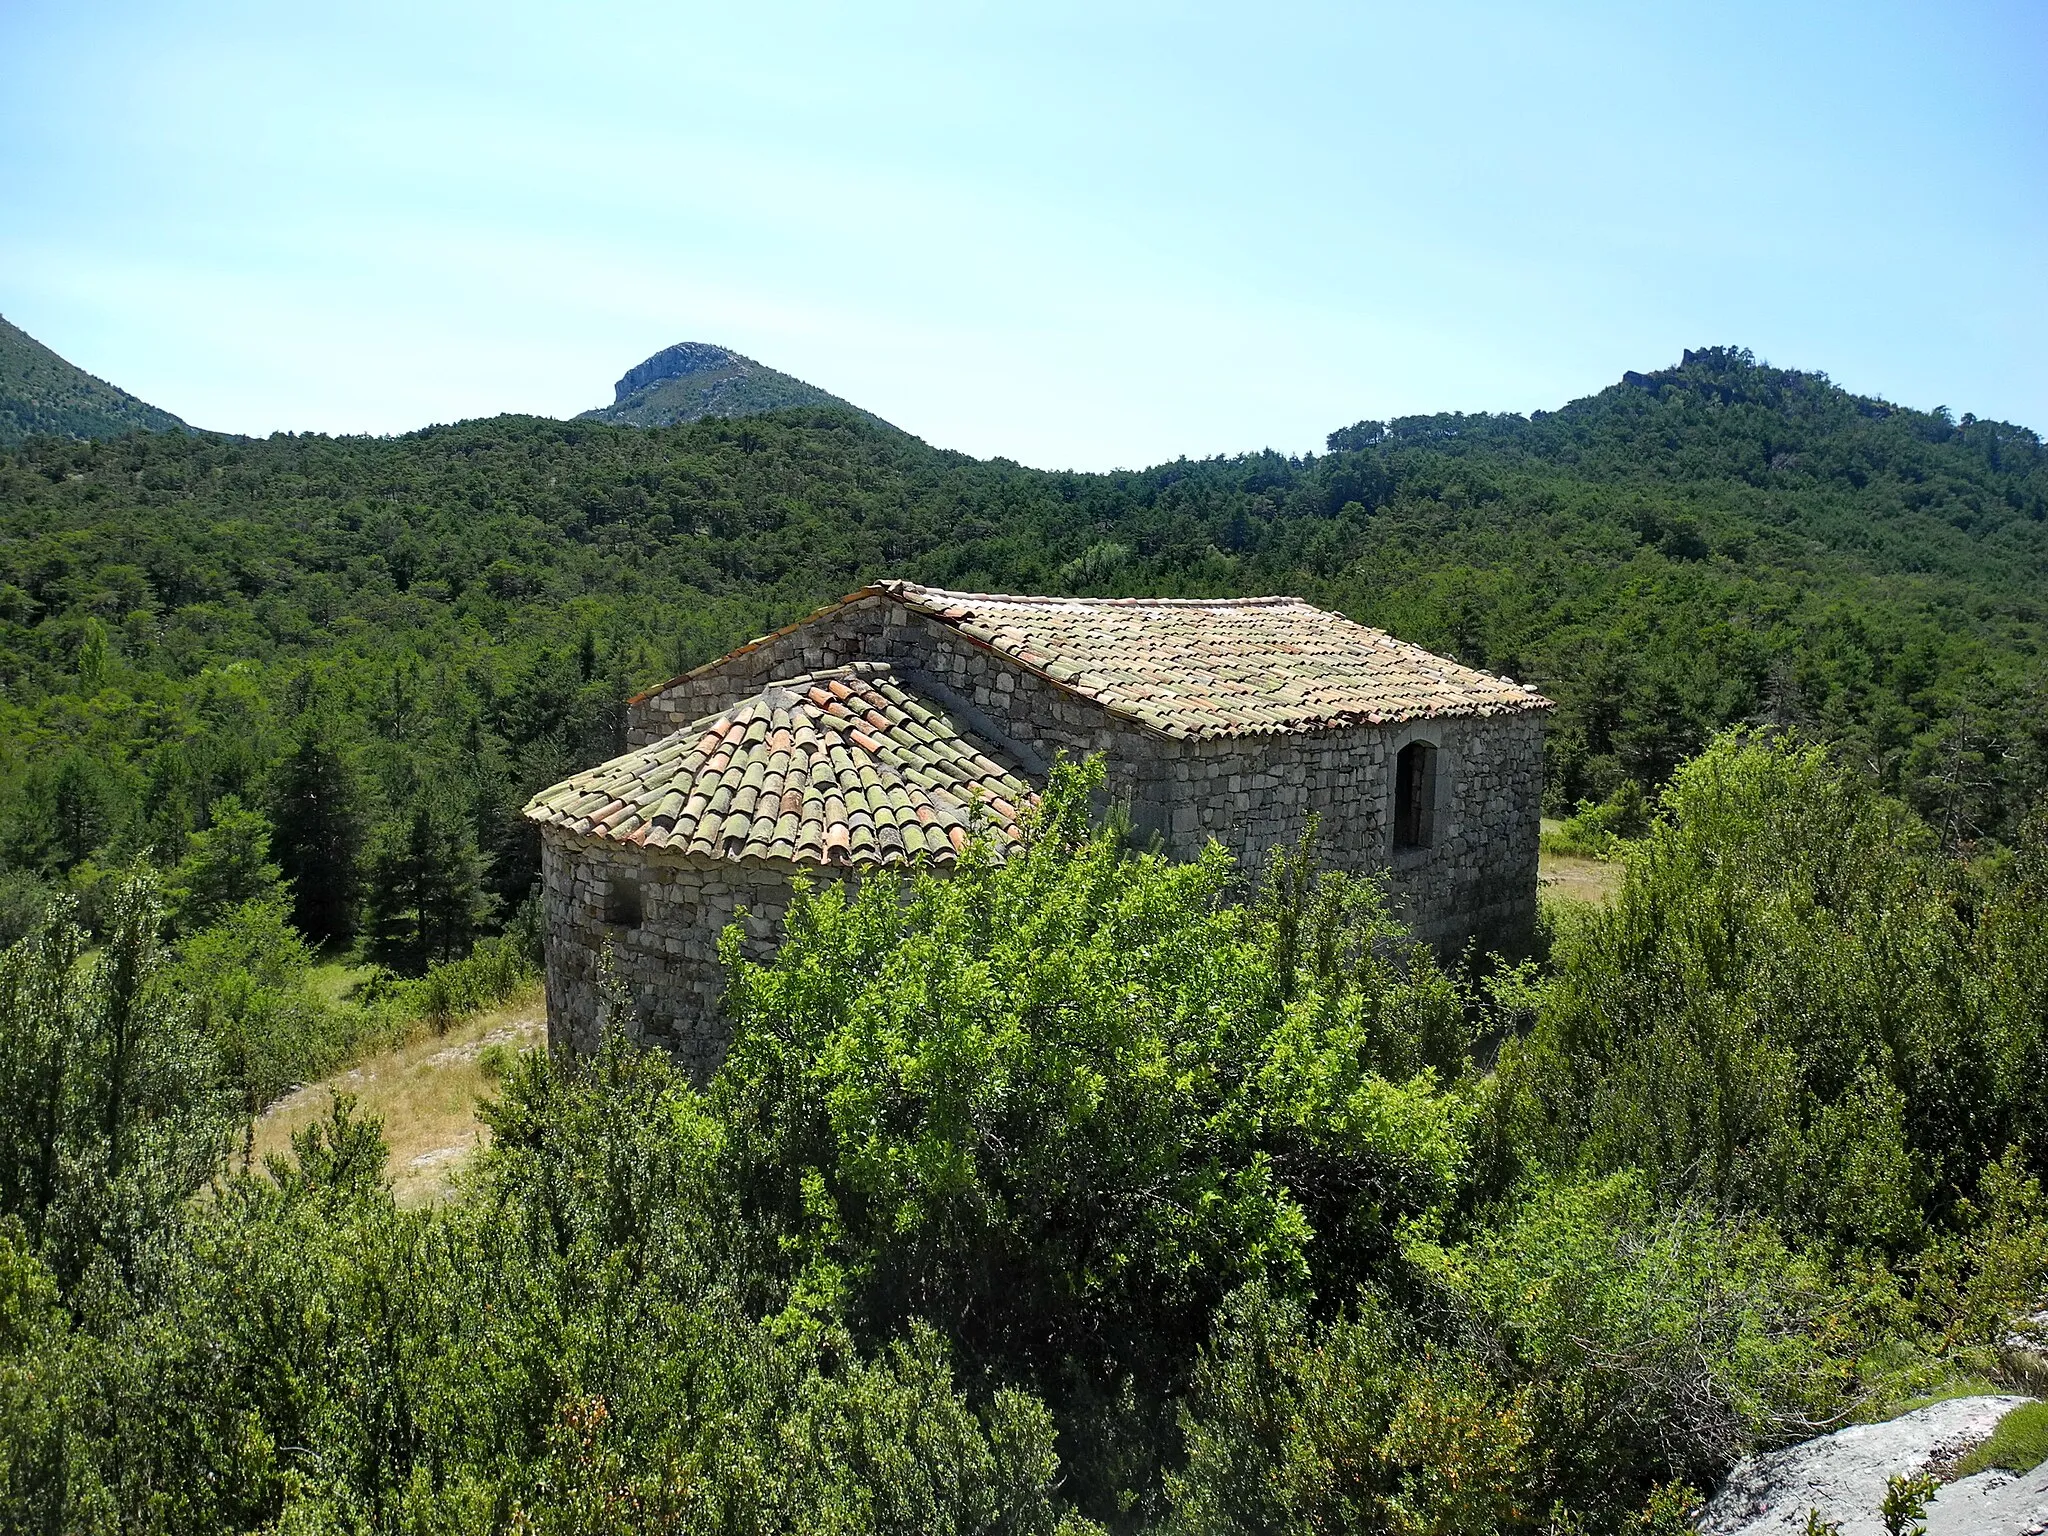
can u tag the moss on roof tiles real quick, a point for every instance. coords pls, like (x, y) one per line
(838, 767)
(1193, 668)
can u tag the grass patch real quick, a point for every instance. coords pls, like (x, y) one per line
(425, 1089)
(334, 980)
(1574, 877)
(1882, 1409)
(286, 1016)
(1599, 831)
(1899, 1377)
(2019, 1444)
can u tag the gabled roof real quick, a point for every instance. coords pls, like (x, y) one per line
(836, 768)
(1205, 667)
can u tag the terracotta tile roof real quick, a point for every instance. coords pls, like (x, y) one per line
(837, 768)
(1201, 667)
(1239, 666)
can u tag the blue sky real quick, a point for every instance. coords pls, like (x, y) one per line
(1086, 235)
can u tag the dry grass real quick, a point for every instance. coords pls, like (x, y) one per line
(1568, 878)
(425, 1091)
(1577, 879)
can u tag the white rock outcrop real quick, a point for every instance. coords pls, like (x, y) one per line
(1844, 1475)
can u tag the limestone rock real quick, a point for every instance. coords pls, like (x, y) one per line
(1843, 1475)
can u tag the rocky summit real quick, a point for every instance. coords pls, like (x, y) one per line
(695, 379)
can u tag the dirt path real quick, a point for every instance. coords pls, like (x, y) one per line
(426, 1093)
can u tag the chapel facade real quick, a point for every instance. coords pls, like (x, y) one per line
(885, 729)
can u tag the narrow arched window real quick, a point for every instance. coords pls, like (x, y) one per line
(622, 902)
(1415, 795)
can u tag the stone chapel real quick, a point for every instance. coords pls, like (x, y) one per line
(859, 738)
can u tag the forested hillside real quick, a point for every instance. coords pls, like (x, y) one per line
(1080, 1191)
(383, 646)
(42, 393)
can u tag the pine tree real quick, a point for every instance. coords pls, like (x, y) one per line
(224, 866)
(92, 658)
(84, 800)
(317, 811)
(427, 901)
(452, 905)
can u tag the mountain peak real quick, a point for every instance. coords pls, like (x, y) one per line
(680, 362)
(695, 379)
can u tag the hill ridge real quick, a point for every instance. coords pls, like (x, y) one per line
(45, 394)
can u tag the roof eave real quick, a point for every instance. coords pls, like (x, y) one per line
(760, 863)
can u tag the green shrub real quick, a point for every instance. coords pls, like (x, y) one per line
(248, 979)
(1354, 1424)
(1795, 1006)
(24, 903)
(39, 1452)
(492, 971)
(1905, 1502)
(113, 1110)
(564, 1353)
(1070, 1100)
(1975, 1282)
(1655, 1346)
(495, 1060)
(1598, 830)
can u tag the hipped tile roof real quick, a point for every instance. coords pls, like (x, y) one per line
(1207, 667)
(835, 768)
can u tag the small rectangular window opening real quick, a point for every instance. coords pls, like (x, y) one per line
(1415, 795)
(622, 901)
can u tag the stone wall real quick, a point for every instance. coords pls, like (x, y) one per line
(1477, 876)
(668, 960)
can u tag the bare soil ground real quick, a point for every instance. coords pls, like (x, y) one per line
(426, 1093)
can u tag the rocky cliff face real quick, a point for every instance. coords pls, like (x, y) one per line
(695, 379)
(679, 362)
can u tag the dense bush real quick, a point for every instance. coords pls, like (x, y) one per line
(113, 1104)
(1078, 1187)
(321, 1362)
(1070, 1100)
(1798, 1006)
(1361, 1423)
(1597, 831)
